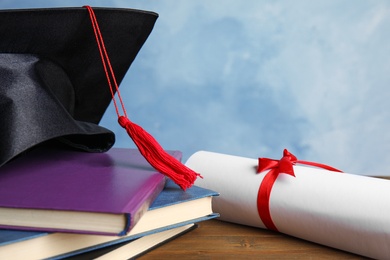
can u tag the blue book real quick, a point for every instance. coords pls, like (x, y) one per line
(135, 248)
(172, 208)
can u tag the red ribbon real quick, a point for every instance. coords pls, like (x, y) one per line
(284, 165)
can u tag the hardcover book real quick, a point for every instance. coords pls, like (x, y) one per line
(51, 189)
(138, 247)
(172, 208)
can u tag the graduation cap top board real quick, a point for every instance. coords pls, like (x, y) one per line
(53, 84)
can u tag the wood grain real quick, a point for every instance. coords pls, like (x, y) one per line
(216, 239)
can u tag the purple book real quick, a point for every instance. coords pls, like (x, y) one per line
(49, 189)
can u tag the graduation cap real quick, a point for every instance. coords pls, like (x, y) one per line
(59, 71)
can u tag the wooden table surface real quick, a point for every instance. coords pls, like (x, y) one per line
(215, 239)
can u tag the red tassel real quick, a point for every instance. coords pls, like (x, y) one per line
(147, 145)
(157, 157)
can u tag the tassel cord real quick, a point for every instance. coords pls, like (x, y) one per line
(150, 149)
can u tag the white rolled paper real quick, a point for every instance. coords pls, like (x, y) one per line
(340, 210)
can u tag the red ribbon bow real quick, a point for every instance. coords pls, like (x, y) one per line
(284, 165)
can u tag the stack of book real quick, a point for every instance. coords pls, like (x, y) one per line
(56, 203)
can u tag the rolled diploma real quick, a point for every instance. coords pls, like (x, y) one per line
(340, 210)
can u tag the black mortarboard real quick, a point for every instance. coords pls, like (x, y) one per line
(53, 86)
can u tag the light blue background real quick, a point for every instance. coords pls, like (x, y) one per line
(251, 78)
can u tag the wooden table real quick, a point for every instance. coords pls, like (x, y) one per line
(214, 239)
